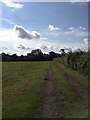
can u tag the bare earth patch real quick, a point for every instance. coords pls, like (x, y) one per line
(49, 108)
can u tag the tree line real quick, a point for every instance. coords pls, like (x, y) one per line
(35, 55)
(77, 60)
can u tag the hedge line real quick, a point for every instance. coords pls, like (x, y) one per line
(77, 60)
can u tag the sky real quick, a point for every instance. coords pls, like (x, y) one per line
(49, 26)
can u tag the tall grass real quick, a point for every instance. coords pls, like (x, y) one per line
(77, 60)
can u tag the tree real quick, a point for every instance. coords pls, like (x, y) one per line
(6, 57)
(52, 55)
(14, 57)
(36, 52)
(62, 52)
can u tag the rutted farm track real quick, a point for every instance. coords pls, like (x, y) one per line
(81, 91)
(55, 106)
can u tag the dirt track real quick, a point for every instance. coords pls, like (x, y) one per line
(80, 90)
(51, 108)
(49, 104)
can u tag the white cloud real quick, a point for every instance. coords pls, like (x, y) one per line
(47, 47)
(82, 28)
(44, 39)
(77, 32)
(44, 47)
(71, 28)
(72, 32)
(11, 43)
(86, 41)
(52, 28)
(77, 29)
(23, 47)
(10, 3)
(24, 34)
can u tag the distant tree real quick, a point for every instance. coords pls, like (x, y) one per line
(36, 52)
(53, 55)
(5, 57)
(14, 57)
(22, 58)
(35, 55)
(62, 52)
(46, 57)
(29, 57)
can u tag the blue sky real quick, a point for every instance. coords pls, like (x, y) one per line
(48, 26)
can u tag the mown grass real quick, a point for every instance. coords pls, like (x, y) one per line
(69, 102)
(22, 88)
(82, 79)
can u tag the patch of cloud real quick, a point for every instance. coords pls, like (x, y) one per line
(77, 29)
(4, 48)
(67, 48)
(44, 47)
(77, 32)
(9, 39)
(23, 33)
(82, 28)
(10, 3)
(52, 47)
(44, 39)
(86, 41)
(15, 44)
(23, 47)
(71, 28)
(71, 33)
(52, 28)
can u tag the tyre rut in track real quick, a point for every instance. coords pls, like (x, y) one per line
(49, 107)
(80, 90)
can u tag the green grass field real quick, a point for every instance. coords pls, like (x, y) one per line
(22, 88)
(23, 84)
